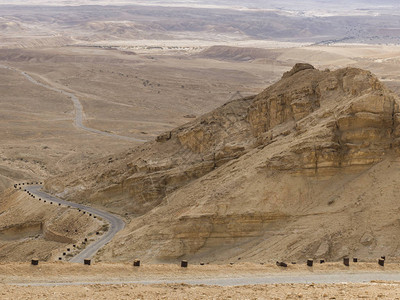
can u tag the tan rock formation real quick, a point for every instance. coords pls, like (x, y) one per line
(306, 168)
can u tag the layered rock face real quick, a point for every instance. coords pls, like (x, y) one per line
(338, 119)
(293, 172)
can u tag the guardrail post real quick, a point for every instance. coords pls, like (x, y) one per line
(184, 264)
(346, 261)
(281, 264)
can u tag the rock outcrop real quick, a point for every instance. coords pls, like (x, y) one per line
(298, 170)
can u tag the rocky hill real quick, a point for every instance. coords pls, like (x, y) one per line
(307, 168)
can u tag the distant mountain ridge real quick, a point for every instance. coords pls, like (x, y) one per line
(287, 4)
(307, 23)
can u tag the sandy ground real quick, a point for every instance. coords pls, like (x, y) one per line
(379, 290)
(71, 274)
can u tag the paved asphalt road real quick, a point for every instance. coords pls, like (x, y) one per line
(321, 278)
(116, 224)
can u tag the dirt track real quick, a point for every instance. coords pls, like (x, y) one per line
(79, 114)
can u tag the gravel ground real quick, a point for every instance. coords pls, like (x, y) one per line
(376, 290)
(116, 281)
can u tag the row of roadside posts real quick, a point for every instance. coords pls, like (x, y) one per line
(184, 263)
(136, 262)
(35, 261)
(346, 261)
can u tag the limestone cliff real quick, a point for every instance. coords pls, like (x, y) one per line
(293, 172)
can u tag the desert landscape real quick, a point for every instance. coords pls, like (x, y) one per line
(230, 135)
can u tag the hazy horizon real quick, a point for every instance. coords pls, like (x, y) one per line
(254, 4)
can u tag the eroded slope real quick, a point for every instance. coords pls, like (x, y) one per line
(30, 228)
(306, 168)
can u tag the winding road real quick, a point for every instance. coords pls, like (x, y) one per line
(116, 223)
(78, 108)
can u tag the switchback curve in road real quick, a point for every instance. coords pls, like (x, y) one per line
(116, 223)
(78, 108)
